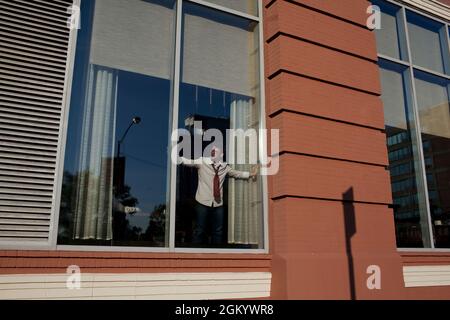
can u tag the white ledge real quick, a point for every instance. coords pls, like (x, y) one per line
(136, 286)
(426, 276)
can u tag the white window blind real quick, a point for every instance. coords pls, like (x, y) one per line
(247, 6)
(137, 41)
(219, 55)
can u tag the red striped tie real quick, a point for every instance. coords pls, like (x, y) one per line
(216, 184)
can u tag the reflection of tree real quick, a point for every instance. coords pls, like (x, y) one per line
(125, 197)
(156, 228)
(66, 209)
(122, 230)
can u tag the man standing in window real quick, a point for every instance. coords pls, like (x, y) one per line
(212, 172)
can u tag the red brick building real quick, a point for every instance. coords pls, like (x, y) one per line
(331, 213)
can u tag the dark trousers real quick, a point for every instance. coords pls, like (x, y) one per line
(212, 215)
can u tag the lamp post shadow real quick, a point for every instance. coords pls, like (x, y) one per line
(350, 231)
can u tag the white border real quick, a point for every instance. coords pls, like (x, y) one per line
(65, 110)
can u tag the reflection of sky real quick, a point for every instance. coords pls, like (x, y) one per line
(145, 146)
(78, 87)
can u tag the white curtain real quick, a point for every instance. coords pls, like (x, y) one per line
(244, 204)
(93, 211)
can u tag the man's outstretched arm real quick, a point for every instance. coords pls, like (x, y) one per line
(190, 163)
(244, 174)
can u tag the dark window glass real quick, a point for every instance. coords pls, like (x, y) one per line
(115, 176)
(219, 90)
(409, 201)
(434, 114)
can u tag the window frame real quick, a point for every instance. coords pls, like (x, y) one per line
(262, 141)
(410, 67)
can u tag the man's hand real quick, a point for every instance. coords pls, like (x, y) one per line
(254, 171)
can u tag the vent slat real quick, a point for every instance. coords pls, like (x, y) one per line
(31, 81)
(31, 31)
(26, 204)
(21, 197)
(22, 235)
(24, 193)
(28, 135)
(20, 102)
(34, 41)
(24, 222)
(30, 121)
(10, 10)
(27, 157)
(10, 41)
(24, 126)
(31, 6)
(26, 174)
(12, 45)
(28, 146)
(28, 117)
(32, 66)
(25, 216)
(26, 113)
(36, 143)
(25, 228)
(24, 210)
(38, 57)
(34, 181)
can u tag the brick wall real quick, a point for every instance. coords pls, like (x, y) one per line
(330, 216)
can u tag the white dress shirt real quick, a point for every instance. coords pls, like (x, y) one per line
(206, 173)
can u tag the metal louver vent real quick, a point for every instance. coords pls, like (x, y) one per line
(34, 41)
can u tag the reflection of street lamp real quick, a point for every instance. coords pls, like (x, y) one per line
(119, 163)
(136, 120)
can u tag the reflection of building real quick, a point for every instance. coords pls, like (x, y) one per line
(404, 188)
(435, 126)
(435, 123)
(119, 174)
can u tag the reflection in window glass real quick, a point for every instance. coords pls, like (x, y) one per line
(219, 90)
(390, 38)
(246, 6)
(409, 202)
(434, 113)
(425, 42)
(115, 177)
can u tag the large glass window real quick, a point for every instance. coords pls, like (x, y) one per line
(434, 114)
(391, 39)
(415, 93)
(120, 185)
(410, 210)
(115, 178)
(220, 91)
(427, 41)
